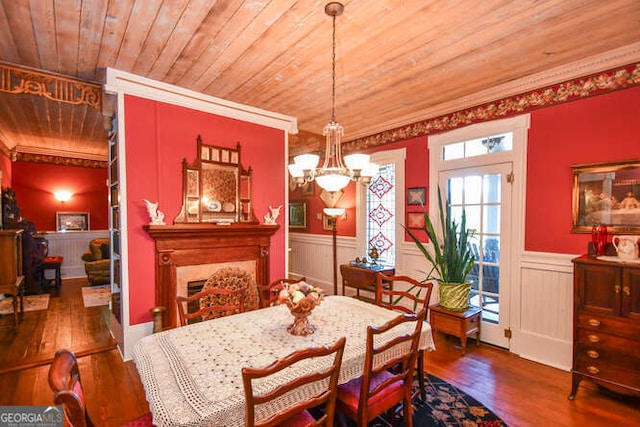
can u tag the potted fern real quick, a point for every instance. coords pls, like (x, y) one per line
(452, 258)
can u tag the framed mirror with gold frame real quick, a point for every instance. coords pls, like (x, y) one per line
(216, 188)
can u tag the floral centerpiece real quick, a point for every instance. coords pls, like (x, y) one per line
(301, 298)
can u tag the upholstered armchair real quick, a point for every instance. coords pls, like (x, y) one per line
(97, 262)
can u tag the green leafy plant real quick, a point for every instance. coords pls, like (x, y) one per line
(452, 258)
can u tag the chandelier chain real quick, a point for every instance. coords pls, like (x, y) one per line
(333, 72)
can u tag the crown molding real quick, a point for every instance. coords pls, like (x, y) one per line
(57, 157)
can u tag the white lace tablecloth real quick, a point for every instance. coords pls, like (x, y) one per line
(192, 375)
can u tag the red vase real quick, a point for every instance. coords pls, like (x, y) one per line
(599, 238)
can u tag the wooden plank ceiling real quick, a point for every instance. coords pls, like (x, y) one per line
(398, 61)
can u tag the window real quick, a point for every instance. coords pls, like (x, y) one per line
(381, 214)
(380, 208)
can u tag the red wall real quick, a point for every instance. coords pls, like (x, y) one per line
(34, 184)
(158, 136)
(5, 167)
(599, 129)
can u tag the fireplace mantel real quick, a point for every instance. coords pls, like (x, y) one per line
(203, 243)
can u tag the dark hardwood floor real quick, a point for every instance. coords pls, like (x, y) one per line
(521, 392)
(65, 324)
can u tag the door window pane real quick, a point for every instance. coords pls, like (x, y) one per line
(491, 219)
(473, 218)
(472, 189)
(456, 186)
(491, 188)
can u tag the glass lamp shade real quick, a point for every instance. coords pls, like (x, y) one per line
(333, 211)
(356, 161)
(295, 170)
(370, 170)
(307, 161)
(333, 179)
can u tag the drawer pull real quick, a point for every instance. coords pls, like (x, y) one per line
(593, 322)
(617, 289)
(593, 370)
(626, 291)
(594, 338)
(593, 354)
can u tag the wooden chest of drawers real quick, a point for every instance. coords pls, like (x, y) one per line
(606, 330)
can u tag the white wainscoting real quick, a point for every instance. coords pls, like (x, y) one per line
(71, 245)
(545, 332)
(311, 255)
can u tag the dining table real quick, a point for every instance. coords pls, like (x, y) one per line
(192, 374)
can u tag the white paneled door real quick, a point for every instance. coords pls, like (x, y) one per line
(483, 192)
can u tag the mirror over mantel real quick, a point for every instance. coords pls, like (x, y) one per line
(216, 187)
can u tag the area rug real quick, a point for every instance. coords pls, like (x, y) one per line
(445, 406)
(94, 296)
(31, 303)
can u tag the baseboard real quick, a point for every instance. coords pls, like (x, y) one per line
(132, 335)
(545, 350)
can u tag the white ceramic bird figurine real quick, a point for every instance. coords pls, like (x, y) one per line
(157, 217)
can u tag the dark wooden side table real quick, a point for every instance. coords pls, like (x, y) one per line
(362, 277)
(52, 263)
(459, 324)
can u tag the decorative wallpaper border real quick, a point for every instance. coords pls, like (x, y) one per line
(58, 160)
(608, 81)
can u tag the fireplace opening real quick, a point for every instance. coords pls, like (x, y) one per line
(193, 287)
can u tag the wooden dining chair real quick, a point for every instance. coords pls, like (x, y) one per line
(407, 295)
(380, 389)
(294, 410)
(212, 303)
(64, 380)
(269, 293)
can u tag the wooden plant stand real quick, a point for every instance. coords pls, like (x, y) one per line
(459, 324)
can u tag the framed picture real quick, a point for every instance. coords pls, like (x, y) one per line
(415, 220)
(416, 196)
(297, 215)
(308, 189)
(72, 221)
(609, 194)
(328, 222)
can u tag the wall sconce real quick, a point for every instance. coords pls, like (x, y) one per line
(62, 195)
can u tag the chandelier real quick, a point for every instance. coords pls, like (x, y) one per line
(335, 172)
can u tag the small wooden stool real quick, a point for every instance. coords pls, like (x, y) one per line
(52, 263)
(459, 324)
